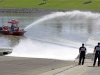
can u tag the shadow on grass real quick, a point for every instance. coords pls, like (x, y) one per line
(87, 2)
(42, 3)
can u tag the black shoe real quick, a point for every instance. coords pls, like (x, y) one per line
(82, 64)
(98, 64)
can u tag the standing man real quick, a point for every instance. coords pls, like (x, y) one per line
(97, 54)
(14, 24)
(82, 52)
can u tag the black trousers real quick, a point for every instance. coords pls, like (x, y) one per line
(95, 58)
(81, 59)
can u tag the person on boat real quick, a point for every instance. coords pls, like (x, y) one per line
(5, 28)
(82, 52)
(2, 27)
(14, 24)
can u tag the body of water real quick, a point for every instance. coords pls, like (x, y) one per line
(56, 36)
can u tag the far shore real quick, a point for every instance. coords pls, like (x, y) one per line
(33, 10)
(26, 10)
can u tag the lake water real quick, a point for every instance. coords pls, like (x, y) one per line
(57, 35)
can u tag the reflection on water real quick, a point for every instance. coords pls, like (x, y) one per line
(24, 20)
(73, 26)
(10, 40)
(66, 30)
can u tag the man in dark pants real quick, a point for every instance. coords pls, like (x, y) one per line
(97, 54)
(82, 52)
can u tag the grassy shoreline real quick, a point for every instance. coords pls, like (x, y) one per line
(92, 5)
(34, 10)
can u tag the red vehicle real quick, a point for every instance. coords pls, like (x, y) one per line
(13, 30)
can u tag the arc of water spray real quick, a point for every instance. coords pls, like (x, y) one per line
(70, 13)
(47, 17)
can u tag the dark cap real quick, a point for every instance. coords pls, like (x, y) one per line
(98, 43)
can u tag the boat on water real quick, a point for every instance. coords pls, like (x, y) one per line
(9, 32)
(12, 30)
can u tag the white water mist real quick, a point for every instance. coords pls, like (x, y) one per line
(68, 14)
(38, 49)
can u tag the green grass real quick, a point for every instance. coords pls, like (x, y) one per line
(53, 4)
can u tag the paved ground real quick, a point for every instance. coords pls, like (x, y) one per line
(36, 66)
(29, 66)
(74, 69)
(86, 69)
